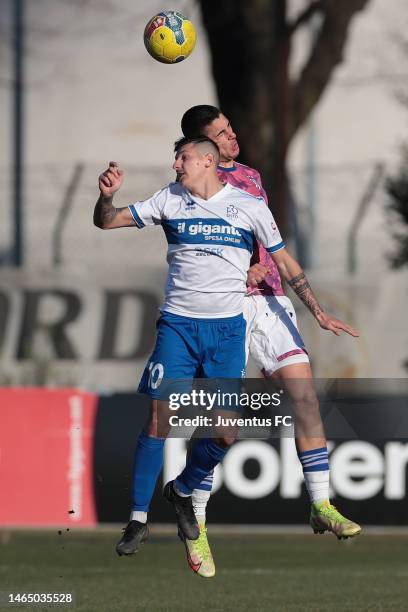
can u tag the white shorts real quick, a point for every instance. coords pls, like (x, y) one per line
(272, 336)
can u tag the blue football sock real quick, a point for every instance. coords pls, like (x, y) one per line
(314, 460)
(206, 454)
(147, 465)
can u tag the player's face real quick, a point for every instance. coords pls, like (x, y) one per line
(190, 166)
(221, 132)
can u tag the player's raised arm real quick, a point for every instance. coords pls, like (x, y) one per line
(267, 232)
(295, 276)
(106, 216)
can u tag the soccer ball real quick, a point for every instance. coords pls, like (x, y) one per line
(169, 37)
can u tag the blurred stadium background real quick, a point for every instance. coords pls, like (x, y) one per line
(78, 306)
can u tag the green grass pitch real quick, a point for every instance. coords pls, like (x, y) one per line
(283, 573)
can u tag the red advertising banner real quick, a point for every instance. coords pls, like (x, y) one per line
(46, 457)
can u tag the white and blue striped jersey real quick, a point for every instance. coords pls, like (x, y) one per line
(210, 243)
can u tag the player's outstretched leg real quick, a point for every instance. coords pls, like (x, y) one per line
(325, 517)
(148, 462)
(312, 451)
(183, 505)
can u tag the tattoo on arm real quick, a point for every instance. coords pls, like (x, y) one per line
(104, 212)
(301, 287)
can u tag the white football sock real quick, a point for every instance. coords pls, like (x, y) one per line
(317, 485)
(200, 500)
(137, 515)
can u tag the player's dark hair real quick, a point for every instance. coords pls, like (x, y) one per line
(196, 119)
(197, 140)
(181, 142)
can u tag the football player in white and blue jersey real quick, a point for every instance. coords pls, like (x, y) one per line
(210, 228)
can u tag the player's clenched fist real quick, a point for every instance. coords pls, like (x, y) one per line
(256, 274)
(110, 180)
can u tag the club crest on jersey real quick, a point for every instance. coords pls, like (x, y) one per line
(232, 212)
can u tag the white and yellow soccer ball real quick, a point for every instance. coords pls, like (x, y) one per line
(169, 37)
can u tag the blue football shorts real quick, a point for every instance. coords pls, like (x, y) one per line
(188, 348)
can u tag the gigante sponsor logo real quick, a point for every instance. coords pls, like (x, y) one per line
(359, 469)
(207, 229)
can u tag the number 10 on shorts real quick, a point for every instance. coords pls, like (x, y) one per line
(156, 373)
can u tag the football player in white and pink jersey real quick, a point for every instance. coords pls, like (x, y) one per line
(273, 340)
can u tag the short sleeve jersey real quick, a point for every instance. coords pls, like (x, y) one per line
(210, 243)
(249, 180)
